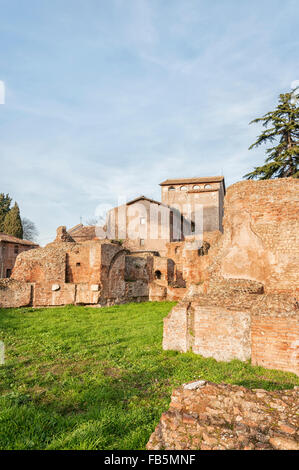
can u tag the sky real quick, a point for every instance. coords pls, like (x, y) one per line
(104, 99)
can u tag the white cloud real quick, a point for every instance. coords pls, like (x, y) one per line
(145, 90)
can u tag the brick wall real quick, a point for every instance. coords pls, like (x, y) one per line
(191, 264)
(275, 342)
(43, 265)
(15, 294)
(8, 256)
(221, 333)
(247, 304)
(237, 325)
(83, 264)
(45, 296)
(261, 234)
(207, 416)
(210, 331)
(137, 268)
(176, 334)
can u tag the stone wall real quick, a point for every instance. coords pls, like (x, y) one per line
(138, 268)
(15, 294)
(247, 304)
(275, 340)
(237, 325)
(124, 278)
(9, 252)
(208, 330)
(43, 265)
(220, 332)
(207, 416)
(92, 272)
(83, 263)
(191, 263)
(188, 195)
(45, 295)
(141, 224)
(103, 272)
(261, 234)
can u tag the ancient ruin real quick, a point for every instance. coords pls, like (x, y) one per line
(94, 272)
(10, 247)
(247, 304)
(237, 289)
(207, 416)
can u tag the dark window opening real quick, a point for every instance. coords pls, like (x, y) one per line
(8, 272)
(16, 250)
(158, 274)
(78, 264)
(204, 249)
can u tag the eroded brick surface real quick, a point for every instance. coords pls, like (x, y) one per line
(220, 417)
(246, 304)
(261, 235)
(15, 294)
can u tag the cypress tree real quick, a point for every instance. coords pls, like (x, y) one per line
(5, 202)
(12, 222)
(283, 158)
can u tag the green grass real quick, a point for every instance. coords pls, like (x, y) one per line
(89, 378)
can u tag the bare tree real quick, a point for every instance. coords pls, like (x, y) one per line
(30, 231)
(92, 221)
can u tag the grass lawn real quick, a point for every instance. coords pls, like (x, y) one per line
(97, 378)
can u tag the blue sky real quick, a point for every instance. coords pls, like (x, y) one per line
(107, 98)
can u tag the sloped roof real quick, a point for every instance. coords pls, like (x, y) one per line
(205, 179)
(143, 198)
(10, 239)
(76, 227)
(80, 230)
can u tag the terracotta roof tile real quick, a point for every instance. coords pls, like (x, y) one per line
(205, 179)
(10, 239)
(143, 198)
(85, 231)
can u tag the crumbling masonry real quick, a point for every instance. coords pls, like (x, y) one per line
(238, 293)
(247, 306)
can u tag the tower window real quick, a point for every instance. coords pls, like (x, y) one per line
(183, 188)
(158, 274)
(171, 188)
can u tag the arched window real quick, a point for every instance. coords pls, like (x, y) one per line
(196, 186)
(183, 188)
(208, 186)
(158, 274)
(171, 188)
